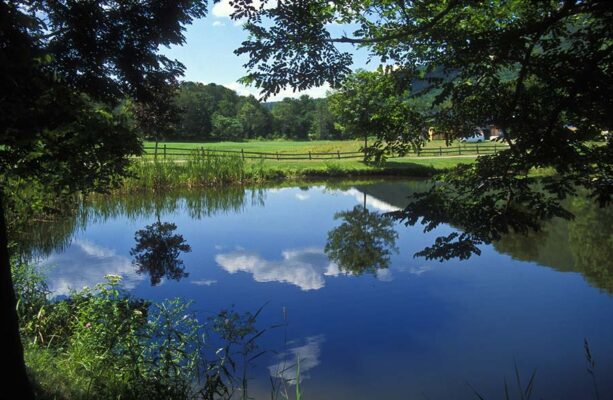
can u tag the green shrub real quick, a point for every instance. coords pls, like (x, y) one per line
(102, 343)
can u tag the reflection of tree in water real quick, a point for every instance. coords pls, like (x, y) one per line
(36, 238)
(591, 241)
(363, 242)
(583, 244)
(157, 252)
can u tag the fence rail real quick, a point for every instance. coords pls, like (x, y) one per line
(165, 152)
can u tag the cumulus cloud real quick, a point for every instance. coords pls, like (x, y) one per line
(309, 355)
(222, 9)
(304, 268)
(86, 264)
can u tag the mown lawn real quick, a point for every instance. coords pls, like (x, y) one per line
(270, 146)
(289, 146)
(409, 166)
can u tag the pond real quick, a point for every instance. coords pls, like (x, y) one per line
(366, 319)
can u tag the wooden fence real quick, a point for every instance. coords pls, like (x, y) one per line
(167, 152)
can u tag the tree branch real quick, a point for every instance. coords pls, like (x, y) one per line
(402, 34)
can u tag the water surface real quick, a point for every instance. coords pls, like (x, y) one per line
(379, 324)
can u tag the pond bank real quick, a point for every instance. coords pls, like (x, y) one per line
(215, 171)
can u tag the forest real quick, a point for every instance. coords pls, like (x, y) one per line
(211, 112)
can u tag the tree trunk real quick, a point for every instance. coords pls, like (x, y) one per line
(15, 378)
(365, 145)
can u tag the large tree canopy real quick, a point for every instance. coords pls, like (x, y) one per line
(371, 104)
(541, 71)
(65, 69)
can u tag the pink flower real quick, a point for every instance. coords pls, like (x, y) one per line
(88, 325)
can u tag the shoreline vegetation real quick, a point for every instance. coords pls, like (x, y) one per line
(197, 167)
(180, 165)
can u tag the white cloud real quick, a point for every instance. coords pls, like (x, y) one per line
(219, 23)
(308, 354)
(304, 268)
(223, 9)
(86, 264)
(204, 282)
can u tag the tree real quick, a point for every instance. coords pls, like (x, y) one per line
(157, 252)
(534, 69)
(220, 100)
(64, 66)
(292, 117)
(254, 118)
(369, 104)
(195, 119)
(323, 124)
(363, 242)
(226, 127)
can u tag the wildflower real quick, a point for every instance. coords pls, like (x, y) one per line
(88, 325)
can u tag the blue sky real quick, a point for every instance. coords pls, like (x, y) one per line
(208, 53)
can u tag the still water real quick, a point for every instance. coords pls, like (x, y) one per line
(367, 320)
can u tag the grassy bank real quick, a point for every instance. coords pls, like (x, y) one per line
(215, 170)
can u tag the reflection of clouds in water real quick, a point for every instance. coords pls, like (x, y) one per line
(204, 282)
(309, 355)
(371, 201)
(304, 268)
(416, 270)
(86, 264)
(384, 275)
(302, 196)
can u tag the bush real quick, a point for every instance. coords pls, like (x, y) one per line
(102, 343)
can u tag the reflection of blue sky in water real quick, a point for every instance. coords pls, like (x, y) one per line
(84, 263)
(308, 351)
(419, 327)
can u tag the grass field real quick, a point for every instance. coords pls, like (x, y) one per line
(288, 146)
(412, 164)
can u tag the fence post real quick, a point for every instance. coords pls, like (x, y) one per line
(459, 149)
(477, 149)
(277, 156)
(155, 152)
(440, 151)
(494, 148)
(243, 154)
(339, 154)
(164, 152)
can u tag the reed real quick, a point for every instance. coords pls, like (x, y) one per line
(201, 169)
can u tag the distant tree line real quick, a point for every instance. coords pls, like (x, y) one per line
(214, 112)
